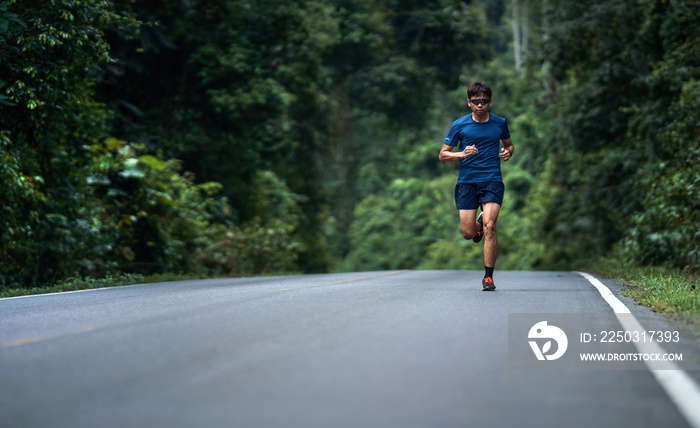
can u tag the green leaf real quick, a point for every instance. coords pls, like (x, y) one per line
(153, 162)
(131, 169)
(132, 173)
(114, 143)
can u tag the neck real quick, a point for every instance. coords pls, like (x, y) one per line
(481, 117)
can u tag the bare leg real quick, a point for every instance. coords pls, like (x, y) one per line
(491, 210)
(468, 224)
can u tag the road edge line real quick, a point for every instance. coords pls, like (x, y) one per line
(678, 385)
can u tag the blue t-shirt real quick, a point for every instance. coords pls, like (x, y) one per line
(484, 166)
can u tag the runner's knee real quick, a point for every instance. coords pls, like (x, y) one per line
(467, 234)
(490, 228)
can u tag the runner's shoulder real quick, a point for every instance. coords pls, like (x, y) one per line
(463, 120)
(496, 118)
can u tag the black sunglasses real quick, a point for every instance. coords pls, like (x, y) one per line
(480, 101)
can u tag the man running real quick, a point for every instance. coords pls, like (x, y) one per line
(480, 183)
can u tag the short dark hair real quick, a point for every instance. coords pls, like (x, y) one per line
(477, 88)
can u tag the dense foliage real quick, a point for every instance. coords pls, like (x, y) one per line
(603, 114)
(229, 137)
(625, 129)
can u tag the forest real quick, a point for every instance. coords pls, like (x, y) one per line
(244, 137)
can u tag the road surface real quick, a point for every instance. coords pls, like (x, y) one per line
(368, 349)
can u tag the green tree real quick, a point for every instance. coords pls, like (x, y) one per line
(234, 88)
(666, 230)
(49, 54)
(622, 75)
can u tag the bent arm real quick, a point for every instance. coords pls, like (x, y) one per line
(508, 149)
(508, 145)
(447, 155)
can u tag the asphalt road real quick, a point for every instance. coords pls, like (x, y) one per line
(370, 349)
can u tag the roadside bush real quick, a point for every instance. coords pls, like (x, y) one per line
(270, 242)
(666, 231)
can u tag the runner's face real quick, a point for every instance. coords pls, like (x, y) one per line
(480, 109)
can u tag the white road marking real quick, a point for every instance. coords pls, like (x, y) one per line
(679, 386)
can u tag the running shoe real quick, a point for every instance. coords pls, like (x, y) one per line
(487, 284)
(479, 234)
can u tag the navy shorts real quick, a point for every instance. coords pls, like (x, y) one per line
(469, 196)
